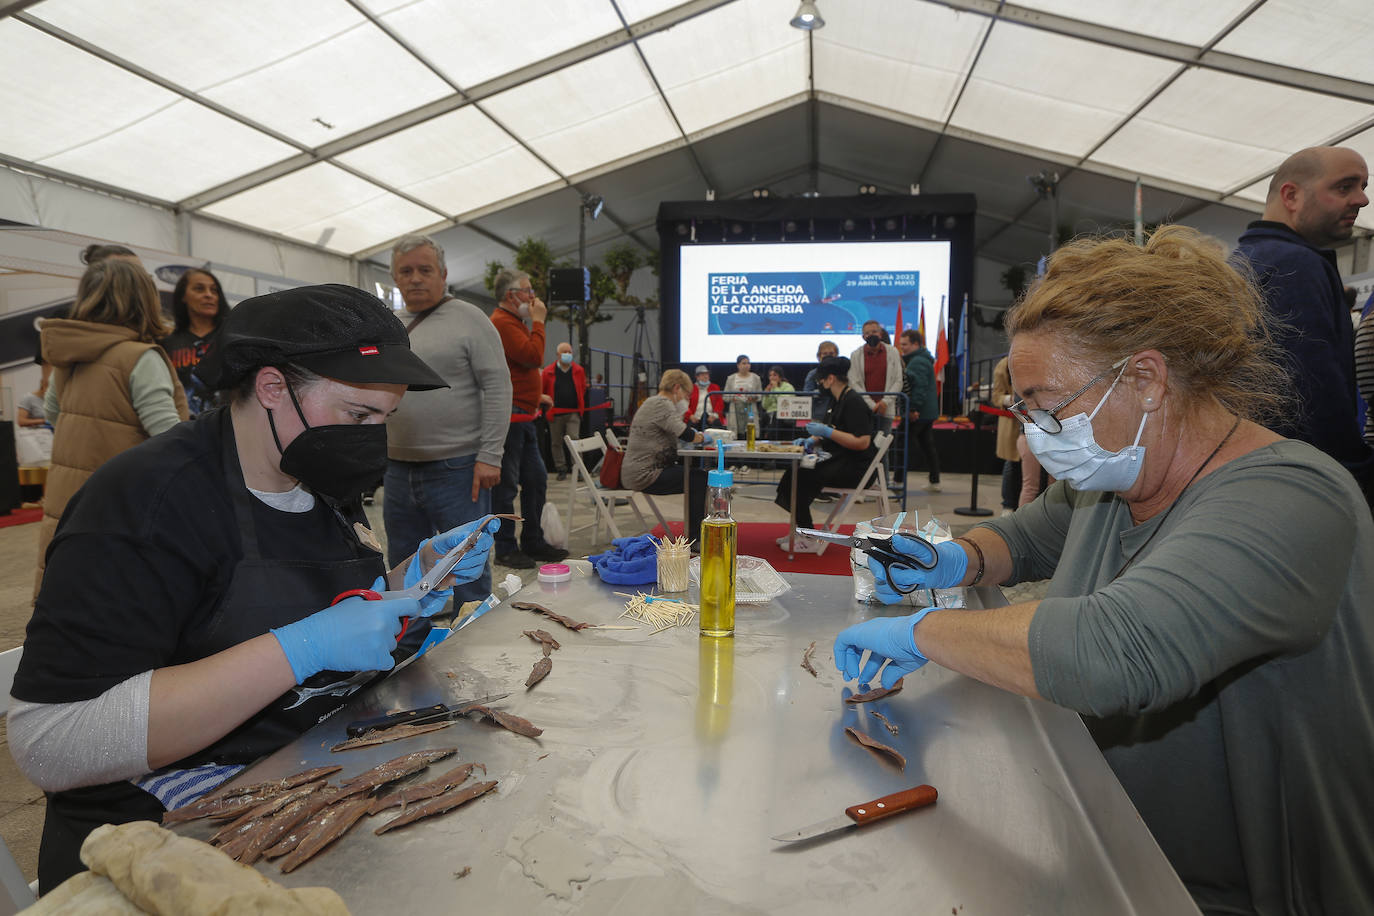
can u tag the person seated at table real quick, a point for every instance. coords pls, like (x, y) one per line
(778, 385)
(651, 464)
(845, 434)
(1209, 606)
(704, 408)
(822, 400)
(178, 634)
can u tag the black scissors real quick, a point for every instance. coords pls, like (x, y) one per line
(881, 549)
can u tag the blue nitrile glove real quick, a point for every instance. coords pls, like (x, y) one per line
(816, 428)
(468, 569)
(950, 565)
(802, 441)
(887, 639)
(353, 635)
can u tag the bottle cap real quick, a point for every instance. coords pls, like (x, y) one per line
(720, 477)
(555, 572)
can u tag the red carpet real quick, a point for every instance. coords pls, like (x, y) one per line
(21, 517)
(759, 539)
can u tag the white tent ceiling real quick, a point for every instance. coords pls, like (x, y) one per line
(346, 123)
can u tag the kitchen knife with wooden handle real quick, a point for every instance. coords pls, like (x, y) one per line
(867, 813)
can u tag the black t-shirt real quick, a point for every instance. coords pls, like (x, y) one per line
(186, 350)
(142, 559)
(850, 414)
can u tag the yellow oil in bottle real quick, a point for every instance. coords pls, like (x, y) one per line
(751, 431)
(718, 577)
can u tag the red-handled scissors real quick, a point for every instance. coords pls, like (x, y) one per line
(428, 582)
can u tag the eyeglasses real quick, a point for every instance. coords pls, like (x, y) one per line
(1048, 420)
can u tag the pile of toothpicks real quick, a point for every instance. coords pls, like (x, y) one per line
(658, 611)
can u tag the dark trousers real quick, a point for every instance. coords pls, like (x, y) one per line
(522, 470)
(919, 436)
(810, 482)
(669, 481)
(424, 498)
(1011, 484)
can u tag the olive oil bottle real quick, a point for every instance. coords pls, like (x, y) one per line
(718, 554)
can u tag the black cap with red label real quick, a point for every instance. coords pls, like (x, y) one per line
(333, 330)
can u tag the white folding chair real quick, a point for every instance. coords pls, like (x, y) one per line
(603, 500)
(872, 483)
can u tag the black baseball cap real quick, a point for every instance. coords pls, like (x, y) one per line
(833, 365)
(333, 330)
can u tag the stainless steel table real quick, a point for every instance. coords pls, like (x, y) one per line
(667, 761)
(743, 454)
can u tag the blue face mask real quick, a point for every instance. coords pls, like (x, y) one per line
(565, 359)
(1072, 454)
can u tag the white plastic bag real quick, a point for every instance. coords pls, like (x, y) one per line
(551, 523)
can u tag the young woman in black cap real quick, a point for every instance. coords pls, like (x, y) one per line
(184, 626)
(844, 433)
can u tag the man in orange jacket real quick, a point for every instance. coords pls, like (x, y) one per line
(522, 469)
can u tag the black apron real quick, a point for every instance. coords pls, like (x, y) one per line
(262, 593)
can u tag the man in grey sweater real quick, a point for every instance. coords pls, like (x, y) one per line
(444, 446)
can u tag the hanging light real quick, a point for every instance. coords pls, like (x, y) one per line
(593, 204)
(808, 17)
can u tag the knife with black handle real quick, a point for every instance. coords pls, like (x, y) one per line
(420, 716)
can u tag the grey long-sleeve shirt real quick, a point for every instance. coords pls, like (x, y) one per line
(460, 343)
(1227, 674)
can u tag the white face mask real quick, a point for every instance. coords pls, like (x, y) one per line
(681, 405)
(1073, 454)
(565, 359)
(523, 309)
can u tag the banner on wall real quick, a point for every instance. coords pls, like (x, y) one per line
(807, 302)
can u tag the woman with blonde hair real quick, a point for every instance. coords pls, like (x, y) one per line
(112, 385)
(651, 462)
(1208, 610)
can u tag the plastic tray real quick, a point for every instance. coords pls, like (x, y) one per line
(756, 581)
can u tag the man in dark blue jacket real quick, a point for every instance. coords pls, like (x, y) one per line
(1313, 200)
(922, 403)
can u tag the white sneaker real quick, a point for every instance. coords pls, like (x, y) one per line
(933, 488)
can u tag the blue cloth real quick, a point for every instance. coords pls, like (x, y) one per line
(424, 498)
(177, 787)
(630, 561)
(522, 470)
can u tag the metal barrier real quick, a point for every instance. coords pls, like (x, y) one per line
(626, 380)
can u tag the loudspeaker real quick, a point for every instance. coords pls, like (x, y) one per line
(570, 284)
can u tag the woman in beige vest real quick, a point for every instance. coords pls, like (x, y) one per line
(112, 385)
